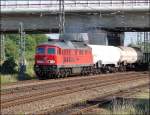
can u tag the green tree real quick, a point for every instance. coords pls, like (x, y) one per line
(11, 48)
(39, 38)
(8, 67)
(30, 43)
(12, 43)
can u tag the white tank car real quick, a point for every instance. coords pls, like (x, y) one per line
(130, 55)
(105, 54)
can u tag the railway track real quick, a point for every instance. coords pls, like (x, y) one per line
(70, 88)
(37, 87)
(30, 85)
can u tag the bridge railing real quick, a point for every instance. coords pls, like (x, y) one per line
(74, 4)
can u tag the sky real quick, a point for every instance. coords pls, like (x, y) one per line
(53, 36)
(130, 37)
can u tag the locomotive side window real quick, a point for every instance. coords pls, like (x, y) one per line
(65, 52)
(76, 52)
(80, 52)
(68, 52)
(51, 50)
(59, 51)
(85, 52)
(40, 50)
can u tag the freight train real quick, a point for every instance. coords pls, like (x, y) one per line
(64, 58)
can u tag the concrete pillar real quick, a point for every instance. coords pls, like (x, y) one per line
(102, 37)
(115, 38)
(98, 37)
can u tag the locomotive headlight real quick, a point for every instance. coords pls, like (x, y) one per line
(51, 61)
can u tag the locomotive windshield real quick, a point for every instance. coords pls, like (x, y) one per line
(51, 50)
(40, 50)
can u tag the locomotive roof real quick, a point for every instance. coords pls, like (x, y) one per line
(67, 44)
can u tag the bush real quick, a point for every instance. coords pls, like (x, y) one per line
(8, 67)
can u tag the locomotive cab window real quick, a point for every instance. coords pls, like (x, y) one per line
(51, 50)
(40, 50)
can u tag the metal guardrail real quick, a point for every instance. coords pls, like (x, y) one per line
(73, 5)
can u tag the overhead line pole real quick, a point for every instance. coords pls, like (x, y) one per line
(2, 47)
(22, 66)
(61, 17)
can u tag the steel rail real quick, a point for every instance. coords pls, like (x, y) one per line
(27, 85)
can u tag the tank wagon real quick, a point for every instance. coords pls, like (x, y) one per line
(64, 58)
(130, 57)
(106, 58)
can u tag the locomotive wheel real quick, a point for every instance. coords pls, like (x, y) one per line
(62, 75)
(94, 71)
(66, 74)
(113, 69)
(99, 71)
(124, 68)
(69, 72)
(58, 75)
(40, 77)
(121, 69)
(116, 69)
(84, 74)
(49, 76)
(53, 76)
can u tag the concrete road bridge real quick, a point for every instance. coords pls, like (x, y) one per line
(80, 15)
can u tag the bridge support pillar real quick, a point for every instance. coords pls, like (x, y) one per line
(98, 37)
(103, 37)
(115, 38)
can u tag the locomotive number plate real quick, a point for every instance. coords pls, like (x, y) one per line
(40, 61)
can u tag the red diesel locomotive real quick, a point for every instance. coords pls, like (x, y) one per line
(62, 58)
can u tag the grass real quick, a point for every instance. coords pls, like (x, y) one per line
(138, 105)
(29, 69)
(144, 94)
(9, 78)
